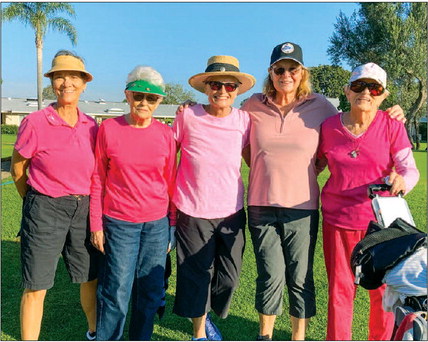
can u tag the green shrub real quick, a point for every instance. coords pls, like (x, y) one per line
(9, 129)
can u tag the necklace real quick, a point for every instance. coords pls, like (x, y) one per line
(355, 140)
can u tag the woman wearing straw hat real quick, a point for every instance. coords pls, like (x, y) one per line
(56, 145)
(131, 213)
(209, 196)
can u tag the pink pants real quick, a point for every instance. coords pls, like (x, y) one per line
(338, 244)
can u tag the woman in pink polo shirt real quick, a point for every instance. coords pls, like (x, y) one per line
(210, 196)
(56, 145)
(131, 212)
(361, 147)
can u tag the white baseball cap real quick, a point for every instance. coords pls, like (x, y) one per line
(369, 70)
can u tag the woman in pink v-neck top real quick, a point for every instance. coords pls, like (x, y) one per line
(361, 147)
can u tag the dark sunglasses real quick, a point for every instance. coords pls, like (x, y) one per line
(375, 89)
(150, 98)
(215, 85)
(281, 71)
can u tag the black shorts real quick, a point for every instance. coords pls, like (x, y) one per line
(51, 227)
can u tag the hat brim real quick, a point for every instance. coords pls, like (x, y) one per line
(293, 59)
(247, 81)
(89, 77)
(368, 76)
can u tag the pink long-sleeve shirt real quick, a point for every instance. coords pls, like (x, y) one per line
(62, 156)
(134, 173)
(381, 147)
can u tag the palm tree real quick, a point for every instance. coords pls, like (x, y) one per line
(41, 16)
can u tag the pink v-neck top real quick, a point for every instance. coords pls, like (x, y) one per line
(345, 202)
(283, 151)
(209, 183)
(134, 173)
(61, 156)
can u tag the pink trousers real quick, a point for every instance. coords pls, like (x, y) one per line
(338, 244)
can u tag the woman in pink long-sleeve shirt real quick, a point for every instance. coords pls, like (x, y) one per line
(131, 212)
(361, 147)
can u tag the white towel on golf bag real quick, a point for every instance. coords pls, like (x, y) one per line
(407, 278)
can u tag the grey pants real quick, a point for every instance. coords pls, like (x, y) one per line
(284, 243)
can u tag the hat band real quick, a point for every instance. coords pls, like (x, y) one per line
(221, 67)
(143, 86)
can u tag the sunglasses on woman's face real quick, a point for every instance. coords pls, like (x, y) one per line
(281, 71)
(150, 98)
(375, 89)
(215, 85)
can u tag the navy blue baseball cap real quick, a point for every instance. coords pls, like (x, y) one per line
(287, 50)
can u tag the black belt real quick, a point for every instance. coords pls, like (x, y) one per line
(74, 195)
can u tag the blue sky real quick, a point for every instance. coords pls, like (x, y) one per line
(175, 38)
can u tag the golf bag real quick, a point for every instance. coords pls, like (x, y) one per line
(392, 250)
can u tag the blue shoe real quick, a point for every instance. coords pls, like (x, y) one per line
(213, 334)
(199, 339)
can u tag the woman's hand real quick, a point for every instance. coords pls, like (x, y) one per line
(396, 112)
(98, 240)
(184, 105)
(397, 183)
(172, 240)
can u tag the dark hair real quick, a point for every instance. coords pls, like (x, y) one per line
(68, 53)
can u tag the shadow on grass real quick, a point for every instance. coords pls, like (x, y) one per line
(64, 319)
(233, 328)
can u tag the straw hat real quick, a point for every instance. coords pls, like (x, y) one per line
(219, 66)
(68, 63)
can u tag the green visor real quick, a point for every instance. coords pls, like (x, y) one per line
(143, 86)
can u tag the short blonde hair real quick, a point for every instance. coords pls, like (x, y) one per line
(304, 89)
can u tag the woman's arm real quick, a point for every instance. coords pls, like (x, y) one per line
(97, 192)
(18, 169)
(406, 174)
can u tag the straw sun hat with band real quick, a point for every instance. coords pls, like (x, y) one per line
(219, 66)
(68, 63)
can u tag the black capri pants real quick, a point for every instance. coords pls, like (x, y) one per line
(209, 262)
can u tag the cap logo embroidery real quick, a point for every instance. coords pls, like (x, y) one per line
(147, 88)
(287, 48)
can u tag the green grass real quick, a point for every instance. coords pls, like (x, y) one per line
(64, 319)
(7, 142)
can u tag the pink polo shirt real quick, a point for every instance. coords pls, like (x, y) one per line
(61, 156)
(283, 151)
(344, 198)
(209, 183)
(134, 174)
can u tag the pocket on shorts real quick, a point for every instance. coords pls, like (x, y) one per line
(41, 211)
